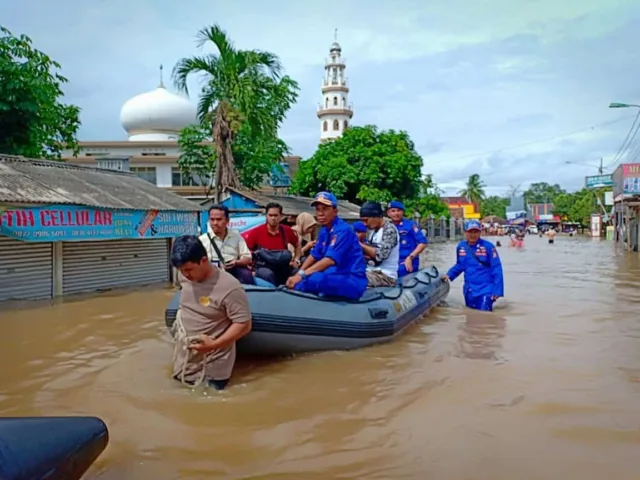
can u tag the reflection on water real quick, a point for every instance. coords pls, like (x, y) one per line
(547, 386)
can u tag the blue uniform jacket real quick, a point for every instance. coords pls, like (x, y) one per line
(340, 243)
(481, 266)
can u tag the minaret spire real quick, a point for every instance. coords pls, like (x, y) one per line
(161, 79)
(335, 35)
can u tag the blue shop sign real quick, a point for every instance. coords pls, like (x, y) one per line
(54, 223)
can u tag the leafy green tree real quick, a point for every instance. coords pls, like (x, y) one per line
(242, 90)
(363, 164)
(578, 206)
(542, 192)
(34, 122)
(474, 189)
(428, 201)
(494, 205)
(254, 156)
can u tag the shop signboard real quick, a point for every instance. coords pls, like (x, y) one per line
(598, 181)
(53, 223)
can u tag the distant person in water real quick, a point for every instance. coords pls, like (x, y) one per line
(551, 234)
(479, 261)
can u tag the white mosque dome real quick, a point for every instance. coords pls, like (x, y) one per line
(157, 115)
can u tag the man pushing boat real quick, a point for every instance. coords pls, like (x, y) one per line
(336, 266)
(479, 261)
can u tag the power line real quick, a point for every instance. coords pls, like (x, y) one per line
(542, 140)
(627, 142)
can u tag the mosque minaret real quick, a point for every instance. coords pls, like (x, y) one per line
(335, 112)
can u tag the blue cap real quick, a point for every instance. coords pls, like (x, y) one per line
(396, 204)
(360, 227)
(472, 225)
(325, 198)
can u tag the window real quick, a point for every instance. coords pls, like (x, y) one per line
(346, 124)
(325, 126)
(335, 101)
(145, 173)
(344, 102)
(180, 179)
(336, 125)
(326, 103)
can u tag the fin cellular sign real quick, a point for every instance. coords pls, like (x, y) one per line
(68, 223)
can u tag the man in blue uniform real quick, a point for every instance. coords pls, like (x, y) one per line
(336, 266)
(480, 263)
(412, 241)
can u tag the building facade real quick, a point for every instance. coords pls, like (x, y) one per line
(335, 112)
(67, 229)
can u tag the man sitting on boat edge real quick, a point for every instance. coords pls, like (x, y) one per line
(382, 247)
(412, 241)
(336, 265)
(226, 247)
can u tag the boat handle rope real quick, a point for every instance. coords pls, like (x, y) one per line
(432, 274)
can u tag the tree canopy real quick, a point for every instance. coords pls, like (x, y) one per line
(542, 192)
(254, 156)
(578, 206)
(243, 101)
(428, 201)
(363, 164)
(494, 205)
(34, 122)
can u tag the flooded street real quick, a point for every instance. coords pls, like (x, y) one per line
(547, 386)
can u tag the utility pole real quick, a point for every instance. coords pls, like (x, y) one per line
(601, 168)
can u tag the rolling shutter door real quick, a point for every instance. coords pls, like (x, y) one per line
(101, 265)
(26, 269)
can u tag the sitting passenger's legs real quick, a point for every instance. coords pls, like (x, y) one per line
(243, 274)
(267, 275)
(334, 284)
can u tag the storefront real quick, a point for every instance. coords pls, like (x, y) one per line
(626, 199)
(54, 250)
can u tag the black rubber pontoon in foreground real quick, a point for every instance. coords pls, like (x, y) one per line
(51, 448)
(286, 321)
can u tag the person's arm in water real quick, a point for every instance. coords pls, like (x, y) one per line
(458, 268)
(496, 273)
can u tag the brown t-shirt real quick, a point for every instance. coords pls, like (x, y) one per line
(210, 307)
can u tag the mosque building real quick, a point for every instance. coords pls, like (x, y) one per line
(153, 121)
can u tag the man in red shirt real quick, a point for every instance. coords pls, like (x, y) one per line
(276, 238)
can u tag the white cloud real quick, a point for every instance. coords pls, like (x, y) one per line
(460, 76)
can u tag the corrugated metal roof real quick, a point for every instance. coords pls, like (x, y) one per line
(23, 180)
(293, 205)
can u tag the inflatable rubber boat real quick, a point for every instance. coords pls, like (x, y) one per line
(287, 322)
(51, 448)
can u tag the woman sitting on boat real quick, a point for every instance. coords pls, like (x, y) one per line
(304, 227)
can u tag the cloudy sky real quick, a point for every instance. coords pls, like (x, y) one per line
(509, 89)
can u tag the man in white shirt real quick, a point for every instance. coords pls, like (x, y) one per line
(226, 247)
(382, 247)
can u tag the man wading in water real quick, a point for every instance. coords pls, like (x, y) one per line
(213, 315)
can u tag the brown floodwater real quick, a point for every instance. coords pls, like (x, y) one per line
(545, 387)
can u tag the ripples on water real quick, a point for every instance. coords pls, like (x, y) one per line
(547, 386)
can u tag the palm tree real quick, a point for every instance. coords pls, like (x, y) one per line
(238, 86)
(474, 190)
